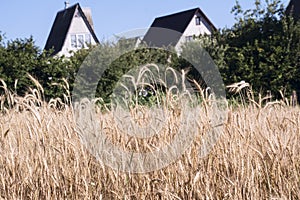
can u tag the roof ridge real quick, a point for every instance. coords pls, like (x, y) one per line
(180, 12)
(69, 8)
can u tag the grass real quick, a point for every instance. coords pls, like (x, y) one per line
(41, 157)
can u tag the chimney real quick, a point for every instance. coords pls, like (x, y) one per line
(67, 4)
(88, 13)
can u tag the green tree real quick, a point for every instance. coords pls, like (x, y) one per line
(18, 58)
(263, 48)
(21, 57)
(117, 58)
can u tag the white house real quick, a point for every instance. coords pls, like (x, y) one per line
(177, 28)
(72, 30)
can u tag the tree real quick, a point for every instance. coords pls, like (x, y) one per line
(108, 62)
(18, 58)
(263, 48)
(21, 57)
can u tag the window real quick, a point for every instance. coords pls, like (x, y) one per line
(80, 41)
(198, 20)
(188, 38)
(88, 40)
(73, 41)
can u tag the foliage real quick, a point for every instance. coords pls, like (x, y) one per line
(20, 58)
(263, 48)
(126, 62)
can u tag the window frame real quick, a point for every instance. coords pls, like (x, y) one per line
(198, 20)
(87, 39)
(80, 40)
(189, 38)
(73, 41)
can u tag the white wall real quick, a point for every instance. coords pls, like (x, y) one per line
(193, 30)
(77, 27)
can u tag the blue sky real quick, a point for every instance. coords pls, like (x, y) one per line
(21, 19)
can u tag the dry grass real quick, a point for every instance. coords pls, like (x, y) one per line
(41, 157)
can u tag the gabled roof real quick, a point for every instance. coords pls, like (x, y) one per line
(168, 29)
(61, 27)
(294, 9)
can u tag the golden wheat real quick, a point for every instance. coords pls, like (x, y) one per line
(41, 156)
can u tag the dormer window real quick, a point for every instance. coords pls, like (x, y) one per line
(198, 20)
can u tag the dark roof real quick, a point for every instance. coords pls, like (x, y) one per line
(61, 27)
(167, 30)
(294, 8)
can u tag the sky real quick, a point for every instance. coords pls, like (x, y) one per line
(25, 18)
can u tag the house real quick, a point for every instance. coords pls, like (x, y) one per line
(294, 9)
(178, 28)
(72, 30)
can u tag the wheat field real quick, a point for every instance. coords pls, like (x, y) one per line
(41, 156)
